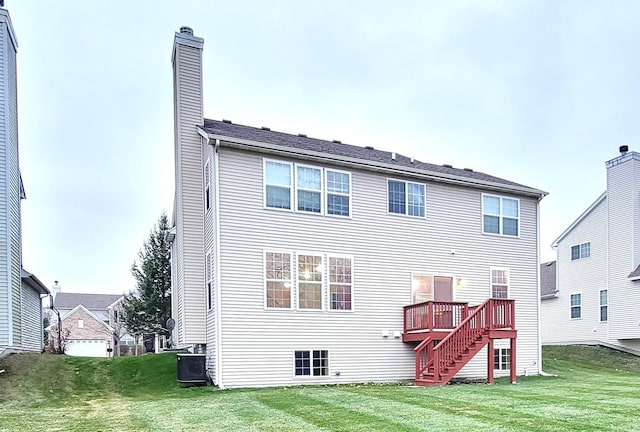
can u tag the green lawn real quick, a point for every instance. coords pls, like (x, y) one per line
(595, 390)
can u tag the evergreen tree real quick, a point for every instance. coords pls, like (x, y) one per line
(147, 309)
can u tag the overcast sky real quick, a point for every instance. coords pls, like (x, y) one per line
(537, 92)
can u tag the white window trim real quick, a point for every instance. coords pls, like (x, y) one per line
(311, 376)
(292, 276)
(265, 184)
(580, 257)
(208, 280)
(500, 216)
(491, 269)
(406, 198)
(353, 283)
(603, 305)
(323, 284)
(326, 194)
(207, 186)
(321, 191)
(571, 306)
(80, 323)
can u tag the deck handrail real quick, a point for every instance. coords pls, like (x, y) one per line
(432, 315)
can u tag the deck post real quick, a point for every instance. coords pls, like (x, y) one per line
(512, 361)
(490, 362)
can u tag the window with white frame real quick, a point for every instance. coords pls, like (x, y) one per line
(278, 280)
(207, 185)
(80, 324)
(501, 358)
(311, 363)
(338, 186)
(580, 251)
(277, 184)
(421, 288)
(576, 306)
(500, 283)
(604, 305)
(207, 272)
(127, 340)
(309, 189)
(310, 272)
(340, 283)
(406, 197)
(500, 215)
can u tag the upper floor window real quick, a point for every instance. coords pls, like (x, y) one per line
(580, 251)
(406, 198)
(277, 184)
(500, 215)
(317, 190)
(604, 305)
(576, 306)
(499, 283)
(278, 280)
(207, 184)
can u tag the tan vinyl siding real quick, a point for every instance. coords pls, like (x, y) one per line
(31, 319)
(5, 237)
(623, 187)
(189, 223)
(386, 249)
(586, 276)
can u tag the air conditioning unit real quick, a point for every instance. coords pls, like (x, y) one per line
(192, 368)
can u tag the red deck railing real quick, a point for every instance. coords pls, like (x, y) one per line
(432, 315)
(476, 321)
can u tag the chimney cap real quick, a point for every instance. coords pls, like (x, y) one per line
(624, 149)
(186, 29)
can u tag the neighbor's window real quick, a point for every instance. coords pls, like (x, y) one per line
(277, 184)
(500, 215)
(604, 305)
(580, 251)
(501, 358)
(127, 340)
(278, 280)
(421, 288)
(309, 188)
(207, 184)
(340, 283)
(310, 282)
(338, 192)
(500, 283)
(406, 198)
(576, 306)
(312, 363)
(80, 323)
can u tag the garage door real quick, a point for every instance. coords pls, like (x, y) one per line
(87, 348)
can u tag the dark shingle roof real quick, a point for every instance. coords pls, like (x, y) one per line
(336, 148)
(89, 301)
(548, 279)
(635, 273)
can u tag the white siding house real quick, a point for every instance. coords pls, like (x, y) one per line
(293, 257)
(20, 291)
(595, 300)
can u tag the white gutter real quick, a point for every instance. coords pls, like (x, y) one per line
(218, 289)
(370, 165)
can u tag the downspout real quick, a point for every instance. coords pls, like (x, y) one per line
(218, 290)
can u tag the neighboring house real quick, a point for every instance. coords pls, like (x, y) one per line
(594, 299)
(94, 324)
(20, 291)
(298, 260)
(548, 280)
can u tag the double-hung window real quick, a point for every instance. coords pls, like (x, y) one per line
(500, 215)
(499, 283)
(580, 251)
(278, 279)
(604, 305)
(406, 198)
(310, 272)
(338, 186)
(277, 184)
(309, 188)
(340, 283)
(207, 185)
(576, 306)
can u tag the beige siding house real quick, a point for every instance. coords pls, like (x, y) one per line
(293, 257)
(597, 281)
(20, 312)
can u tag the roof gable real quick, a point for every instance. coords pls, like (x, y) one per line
(266, 138)
(88, 312)
(576, 222)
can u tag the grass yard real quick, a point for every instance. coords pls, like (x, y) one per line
(596, 390)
